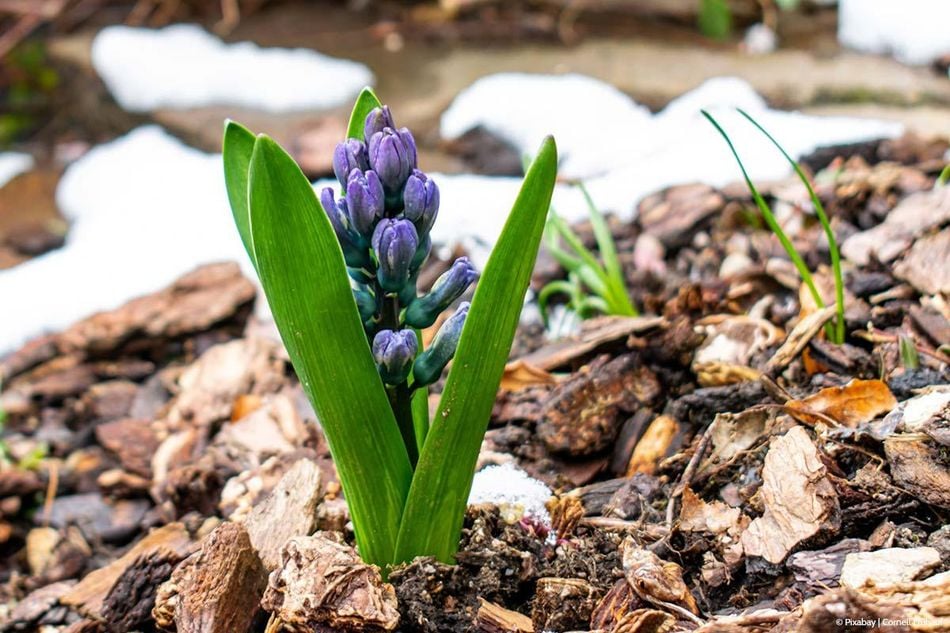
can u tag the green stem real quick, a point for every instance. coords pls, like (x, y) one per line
(400, 398)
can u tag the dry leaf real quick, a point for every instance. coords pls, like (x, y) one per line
(730, 343)
(520, 374)
(655, 580)
(855, 403)
(800, 502)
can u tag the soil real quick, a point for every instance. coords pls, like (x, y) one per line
(164, 470)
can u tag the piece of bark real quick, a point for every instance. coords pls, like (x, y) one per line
(289, 511)
(28, 611)
(675, 214)
(562, 604)
(800, 501)
(583, 414)
(917, 467)
(215, 590)
(594, 334)
(656, 581)
(211, 386)
(927, 265)
(492, 618)
(322, 585)
(822, 568)
(653, 446)
(99, 520)
(103, 592)
(194, 303)
(109, 400)
(274, 428)
(888, 566)
(133, 441)
(798, 339)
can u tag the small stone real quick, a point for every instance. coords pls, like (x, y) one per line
(888, 566)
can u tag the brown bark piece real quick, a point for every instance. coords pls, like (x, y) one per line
(492, 618)
(584, 414)
(24, 615)
(927, 265)
(102, 592)
(594, 334)
(195, 302)
(799, 499)
(653, 446)
(322, 585)
(656, 581)
(133, 441)
(212, 384)
(917, 466)
(675, 214)
(291, 510)
(215, 590)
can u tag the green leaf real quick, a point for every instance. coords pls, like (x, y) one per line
(304, 277)
(237, 148)
(437, 499)
(366, 102)
(715, 19)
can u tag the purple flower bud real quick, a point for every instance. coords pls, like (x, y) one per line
(364, 200)
(392, 155)
(395, 242)
(349, 155)
(354, 248)
(430, 363)
(423, 312)
(376, 120)
(394, 353)
(421, 201)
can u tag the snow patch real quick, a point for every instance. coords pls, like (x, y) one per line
(512, 490)
(184, 66)
(143, 209)
(913, 31)
(12, 164)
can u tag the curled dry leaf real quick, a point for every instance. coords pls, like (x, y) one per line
(731, 342)
(520, 374)
(800, 502)
(853, 404)
(716, 518)
(323, 583)
(735, 433)
(657, 581)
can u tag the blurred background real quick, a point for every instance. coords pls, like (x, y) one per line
(111, 110)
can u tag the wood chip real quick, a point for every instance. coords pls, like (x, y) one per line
(289, 511)
(653, 446)
(594, 334)
(123, 592)
(322, 583)
(215, 590)
(927, 265)
(799, 499)
(492, 618)
(917, 466)
(798, 338)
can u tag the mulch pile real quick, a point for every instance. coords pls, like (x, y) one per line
(718, 465)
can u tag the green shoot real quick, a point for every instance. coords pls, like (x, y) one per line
(593, 286)
(835, 331)
(909, 356)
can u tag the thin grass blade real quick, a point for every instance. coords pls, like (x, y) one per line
(825, 224)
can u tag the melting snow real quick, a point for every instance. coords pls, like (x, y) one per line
(512, 490)
(145, 208)
(12, 164)
(914, 31)
(183, 66)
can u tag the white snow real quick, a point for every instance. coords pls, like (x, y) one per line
(143, 210)
(183, 66)
(512, 490)
(913, 31)
(12, 164)
(623, 152)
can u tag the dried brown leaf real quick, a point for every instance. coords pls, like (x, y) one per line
(855, 403)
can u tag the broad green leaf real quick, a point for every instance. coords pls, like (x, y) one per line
(237, 148)
(366, 102)
(304, 277)
(432, 520)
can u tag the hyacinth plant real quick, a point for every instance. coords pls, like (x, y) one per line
(339, 273)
